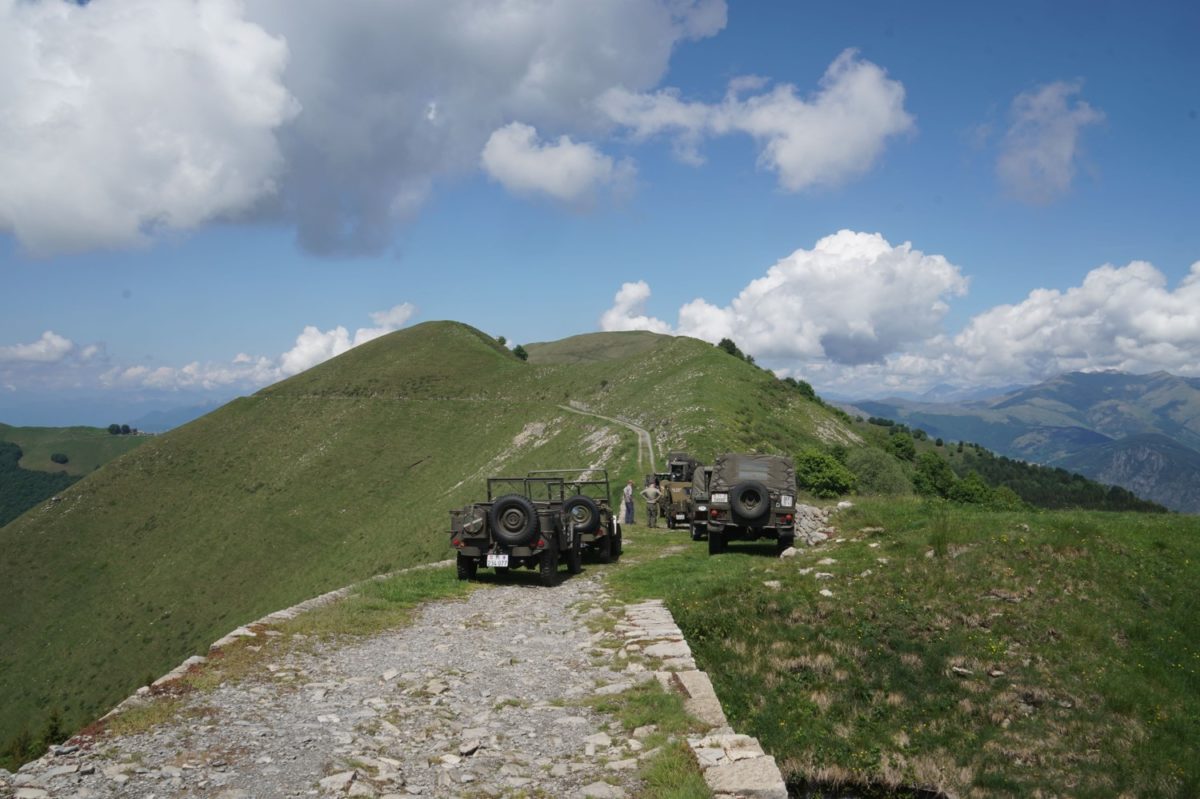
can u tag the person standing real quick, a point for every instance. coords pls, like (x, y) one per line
(651, 493)
(628, 495)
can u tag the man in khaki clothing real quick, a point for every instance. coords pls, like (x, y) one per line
(651, 493)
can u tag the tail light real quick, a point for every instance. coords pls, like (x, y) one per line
(541, 543)
(713, 513)
(457, 544)
(787, 517)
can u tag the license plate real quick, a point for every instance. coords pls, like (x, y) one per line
(679, 517)
(497, 560)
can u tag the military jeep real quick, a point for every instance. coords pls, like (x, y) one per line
(522, 524)
(751, 496)
(677, 488)
(697, 508)
(589, 507)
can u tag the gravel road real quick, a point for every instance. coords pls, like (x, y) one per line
(477, 697)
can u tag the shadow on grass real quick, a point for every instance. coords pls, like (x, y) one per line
(760, 549)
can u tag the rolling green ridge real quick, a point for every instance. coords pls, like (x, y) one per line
(87, 448)
(28, 475)
(338, 473)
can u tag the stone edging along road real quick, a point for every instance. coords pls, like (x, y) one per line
(421, 711)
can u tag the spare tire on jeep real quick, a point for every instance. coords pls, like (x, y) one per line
(584, 511)
(513, 519)
(750, 500)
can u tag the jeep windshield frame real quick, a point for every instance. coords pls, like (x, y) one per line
(537, 489)
(597, 488)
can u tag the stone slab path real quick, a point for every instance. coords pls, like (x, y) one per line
(475, 698)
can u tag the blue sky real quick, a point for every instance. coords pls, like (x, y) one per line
(876, 197)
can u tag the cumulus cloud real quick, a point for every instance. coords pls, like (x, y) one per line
(564, 170)
(629, 311)
(122, 118)
(836, 134)
(125, 118)
(50, 348)
(853, 298)
(1039, 155)
(1123, 318)
(312, 346)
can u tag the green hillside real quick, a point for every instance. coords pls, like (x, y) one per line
(956, 651)
(86, 448)
(338, 473)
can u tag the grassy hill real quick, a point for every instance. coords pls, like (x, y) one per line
(341, 472)
(956, 651)
(87, 448)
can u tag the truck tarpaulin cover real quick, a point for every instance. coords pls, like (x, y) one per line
(769, 469)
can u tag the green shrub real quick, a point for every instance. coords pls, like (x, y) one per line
(877, 472)
(901, 445)
(822, 474)
(59, 457)
(934, 477)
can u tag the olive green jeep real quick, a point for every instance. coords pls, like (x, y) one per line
(589, 506)
(523, 524)
(750, 496)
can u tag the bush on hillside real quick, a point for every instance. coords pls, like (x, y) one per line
(520, 352)
(934, 477)
(901, 445)
(877, 472)
(59, 457)
(822, 475)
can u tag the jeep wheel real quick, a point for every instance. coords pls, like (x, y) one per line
(604, 548)
(467, 567)
(716, 542)
(750, 500)
(783, 543)
(513, 519)
(697, 532)
(584, 512)
(575, 555)
(618, 545)
(548, 565)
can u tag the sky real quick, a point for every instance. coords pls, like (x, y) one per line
(198, 199)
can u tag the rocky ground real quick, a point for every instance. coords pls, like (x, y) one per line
(475, 698)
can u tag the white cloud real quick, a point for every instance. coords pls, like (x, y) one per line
(312, 346)
(50, 348)
(629, 310)
(565, 170)
(1119, 317)
(853, 298)
(126, 117)
(833, 136)
(1041, 148)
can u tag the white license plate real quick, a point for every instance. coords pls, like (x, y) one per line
(497, 560)
(679, 517)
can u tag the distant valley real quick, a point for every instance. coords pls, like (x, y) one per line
(1140, 432)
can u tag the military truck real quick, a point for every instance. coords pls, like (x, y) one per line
(751, 496)
(589, 507)
(697, 508)
(523, 524)
(677, 488)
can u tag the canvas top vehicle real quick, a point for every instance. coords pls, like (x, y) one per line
(522, 524)
(751, 496)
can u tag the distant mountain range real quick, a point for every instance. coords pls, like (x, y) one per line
(1141, 432)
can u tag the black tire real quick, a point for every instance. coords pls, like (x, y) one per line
(584, 512)
(618, 546)
(467, 567)
(750, 500)
(604, 548)
(716, 542)
(513, 519)
(548, 565)
(575, 555)
(783, 543)
(670, 522)
(698, 532)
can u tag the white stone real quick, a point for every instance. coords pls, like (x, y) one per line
(825, 592)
